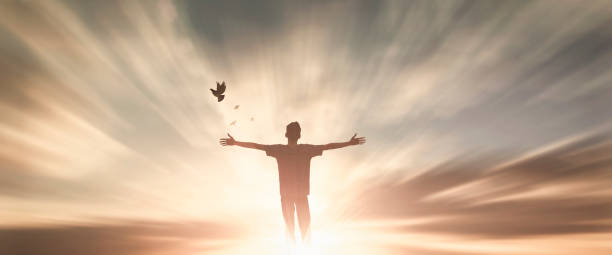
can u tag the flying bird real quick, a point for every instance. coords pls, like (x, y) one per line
(233, 123)
(236, 107)
(219, 92)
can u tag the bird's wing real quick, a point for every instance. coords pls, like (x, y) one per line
(213, 92)
(220, 98)
(221, 88)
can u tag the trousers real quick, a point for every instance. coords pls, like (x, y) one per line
(291, 204)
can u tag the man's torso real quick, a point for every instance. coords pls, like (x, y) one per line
(294, 167)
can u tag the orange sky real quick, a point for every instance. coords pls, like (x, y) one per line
(488, 124)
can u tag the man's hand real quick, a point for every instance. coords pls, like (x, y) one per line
(227, 141)
(356, 140)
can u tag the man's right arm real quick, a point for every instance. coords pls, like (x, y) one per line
(231, 141)
(353, 141)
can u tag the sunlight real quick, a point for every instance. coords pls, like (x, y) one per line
(488, 123)
(326, 240)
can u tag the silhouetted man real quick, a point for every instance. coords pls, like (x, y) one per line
(294, 173)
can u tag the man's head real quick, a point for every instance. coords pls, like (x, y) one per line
(293, 131)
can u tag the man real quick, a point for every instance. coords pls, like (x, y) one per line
(293, 162)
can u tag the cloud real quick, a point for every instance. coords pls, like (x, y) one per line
(106, 112)
(120, 238)
(564, 190)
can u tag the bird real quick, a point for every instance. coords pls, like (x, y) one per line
(233, 122)
(236, 107)
(219, 92)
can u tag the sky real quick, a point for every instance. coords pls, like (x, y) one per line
(488, 125)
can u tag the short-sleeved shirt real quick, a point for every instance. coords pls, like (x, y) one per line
(294, 166)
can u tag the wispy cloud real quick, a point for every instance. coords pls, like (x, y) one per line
(471, 110)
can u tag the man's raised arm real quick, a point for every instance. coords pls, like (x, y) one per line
(231, 141)
(353, 141)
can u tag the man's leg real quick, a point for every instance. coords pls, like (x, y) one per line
(303, 213)
(288, 205)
